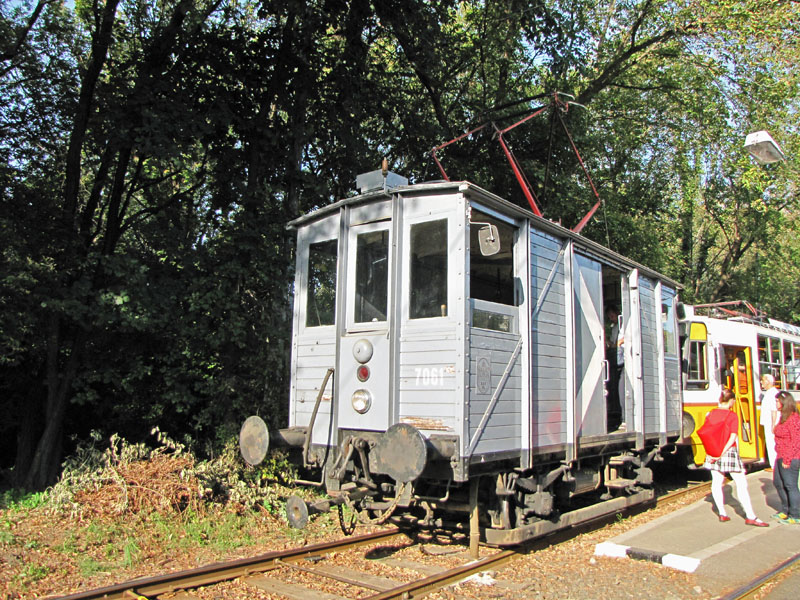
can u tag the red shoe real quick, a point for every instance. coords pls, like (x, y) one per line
(756, 522)
(724, 518)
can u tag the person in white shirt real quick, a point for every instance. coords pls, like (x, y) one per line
(769, 414)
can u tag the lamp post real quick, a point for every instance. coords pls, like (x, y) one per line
(764, 150)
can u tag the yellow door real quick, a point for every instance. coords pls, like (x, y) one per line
(740, 380)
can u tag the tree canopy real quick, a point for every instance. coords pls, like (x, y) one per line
(152, 152)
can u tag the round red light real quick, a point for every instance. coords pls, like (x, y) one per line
(362, 373)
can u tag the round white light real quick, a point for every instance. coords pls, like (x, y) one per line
(362, 351)
(361, 401)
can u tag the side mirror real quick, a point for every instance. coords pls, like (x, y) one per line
(489, 239)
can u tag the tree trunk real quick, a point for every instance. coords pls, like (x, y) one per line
(46, 460)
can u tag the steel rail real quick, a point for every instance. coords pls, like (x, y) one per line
(228, 570)
(437, 581)
(678, 494)
(225, 571)
(749, 590)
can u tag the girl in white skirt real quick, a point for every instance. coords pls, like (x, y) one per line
(729, 461)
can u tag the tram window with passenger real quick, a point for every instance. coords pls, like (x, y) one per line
(769, 357)
(791, 365)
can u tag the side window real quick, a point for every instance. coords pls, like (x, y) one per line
(491, 277)
(793, 369)
(697, 375)
(668, 325)
(769, 357)
(372, 276)
(321, 296)
(787, 365)
(428, 270)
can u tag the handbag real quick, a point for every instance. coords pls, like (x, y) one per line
(713, 435)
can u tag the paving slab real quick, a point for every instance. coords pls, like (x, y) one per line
(724, 556)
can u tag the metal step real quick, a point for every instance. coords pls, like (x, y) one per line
(620, 484)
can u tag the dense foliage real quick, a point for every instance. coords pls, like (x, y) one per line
(152, 153)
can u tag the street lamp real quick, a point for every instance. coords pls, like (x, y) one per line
(763, 148)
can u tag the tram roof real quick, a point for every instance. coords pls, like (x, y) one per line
(766, 323)
(493, 201)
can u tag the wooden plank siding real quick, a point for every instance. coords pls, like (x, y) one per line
(650, 366)
(426, 382)
(548, 342)
(315, 354)
(672, 374)
(502, 430)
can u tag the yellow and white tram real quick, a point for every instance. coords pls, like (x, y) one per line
(724, 346)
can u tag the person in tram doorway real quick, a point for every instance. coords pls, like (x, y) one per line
(616, 362)
(769, 415)
(787, 463)
(729, 462)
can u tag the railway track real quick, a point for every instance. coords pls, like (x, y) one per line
(290, 573)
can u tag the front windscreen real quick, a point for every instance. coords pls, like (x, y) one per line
(321, 297)
(428, 290)
(372, 276)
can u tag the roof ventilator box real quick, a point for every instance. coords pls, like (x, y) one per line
(374, 180)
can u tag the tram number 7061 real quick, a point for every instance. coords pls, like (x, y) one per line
(430, 376)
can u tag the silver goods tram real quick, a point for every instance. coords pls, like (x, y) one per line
(449, 358)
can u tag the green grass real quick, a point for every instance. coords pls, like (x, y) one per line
(89, 566)
(6, 537)
(16, 500)
(33, 572)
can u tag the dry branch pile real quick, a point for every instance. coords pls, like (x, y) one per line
(161, 484)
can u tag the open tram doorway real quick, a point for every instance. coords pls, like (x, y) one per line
(614, 309)
(737, 375)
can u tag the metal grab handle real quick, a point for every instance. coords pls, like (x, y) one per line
(606, 375)
(307, 441)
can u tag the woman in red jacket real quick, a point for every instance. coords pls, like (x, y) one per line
(729, 462)
(787, 462)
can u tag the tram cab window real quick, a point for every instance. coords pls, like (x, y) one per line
(697, 373)
(428, 272)
(491, 278)
(321, 295)
(372, 276)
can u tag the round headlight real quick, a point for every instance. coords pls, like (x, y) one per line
(362, 351)
(361, 401)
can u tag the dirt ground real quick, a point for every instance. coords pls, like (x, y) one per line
(47, 555)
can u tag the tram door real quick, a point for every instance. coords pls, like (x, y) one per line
(590, 365)
(363, 369)
(739, 378)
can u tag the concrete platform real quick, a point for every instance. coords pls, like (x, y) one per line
(724, 556)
